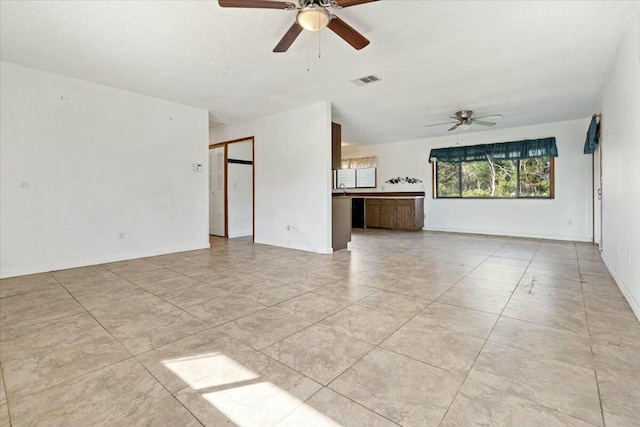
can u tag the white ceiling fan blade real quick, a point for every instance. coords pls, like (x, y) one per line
(454, 126)
(440, 124)
(481, 123)
(488, 117)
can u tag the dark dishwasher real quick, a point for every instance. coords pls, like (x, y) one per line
(357, 213)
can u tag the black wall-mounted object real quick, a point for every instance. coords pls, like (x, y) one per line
(240, 162)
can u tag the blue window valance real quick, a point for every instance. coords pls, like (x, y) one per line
(593, 136)
(526, 149)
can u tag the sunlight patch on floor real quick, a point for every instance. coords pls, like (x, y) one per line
(245, 404)
(264, 404)
(209, 370)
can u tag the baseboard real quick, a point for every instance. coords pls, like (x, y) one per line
(507, 234)
(296, 247)
(99, 260)
(635, 307)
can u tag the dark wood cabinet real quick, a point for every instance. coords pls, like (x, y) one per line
(387, 213)
(405, 214)
(372, 213)
(336, 146)
(395, 214)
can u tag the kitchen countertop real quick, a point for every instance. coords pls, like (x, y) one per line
(381, 195)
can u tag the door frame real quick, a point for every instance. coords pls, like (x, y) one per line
(225, 144)
(599, 195)
(224, 232)
(596, 192)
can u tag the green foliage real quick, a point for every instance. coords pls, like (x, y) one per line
(476, 193)
(495, 178)
(448, 179)
(534, 177)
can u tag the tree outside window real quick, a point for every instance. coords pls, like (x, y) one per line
(495, 178)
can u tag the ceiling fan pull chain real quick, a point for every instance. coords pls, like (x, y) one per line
(319, 41)
(308, 51)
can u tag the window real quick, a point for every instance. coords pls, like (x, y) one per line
(495, 179)
(360, 163)
(357, 173)
(502, 170)
(355, 178)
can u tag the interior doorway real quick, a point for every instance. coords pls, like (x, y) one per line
(217, 214)
(231, 188)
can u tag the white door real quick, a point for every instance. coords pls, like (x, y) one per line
(240, 189)
(216, 191)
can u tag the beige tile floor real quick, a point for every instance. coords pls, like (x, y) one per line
(410, 329)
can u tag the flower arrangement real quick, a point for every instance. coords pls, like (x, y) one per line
(400, 180)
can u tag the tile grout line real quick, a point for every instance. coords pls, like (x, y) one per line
(356, 302)
(97, 321)
(595, 370)
(338, 332)
(466, 377)
(365, 355)
(208, 325)
(261, 351)
(90, 371)
(132, 356)
(85, 373)
(173, 396)
(6, 395)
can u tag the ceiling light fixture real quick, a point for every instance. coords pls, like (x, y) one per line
(313, 18)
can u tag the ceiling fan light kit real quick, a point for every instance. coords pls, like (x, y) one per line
(313, 15)
(313, 18)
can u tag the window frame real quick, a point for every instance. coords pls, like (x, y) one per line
(434, 184)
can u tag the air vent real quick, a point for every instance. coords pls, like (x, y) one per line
(366, 80)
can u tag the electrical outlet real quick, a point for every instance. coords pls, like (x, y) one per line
(289, 227)
(120, 235)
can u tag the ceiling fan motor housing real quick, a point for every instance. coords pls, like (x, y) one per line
(320, 3)
(464, 114)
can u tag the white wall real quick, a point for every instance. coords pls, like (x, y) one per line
(527, 218)
(293, 176)
(620, 145)
(240, 190)
(81, 163)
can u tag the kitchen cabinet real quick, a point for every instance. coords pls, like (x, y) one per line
(388, 213)
(372, 213)
(395, 213)
(405, 214)
(336, 146)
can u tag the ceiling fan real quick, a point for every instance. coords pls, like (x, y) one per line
(463, 118)
(313, 15)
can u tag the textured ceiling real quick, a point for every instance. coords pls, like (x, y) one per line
(534, 62)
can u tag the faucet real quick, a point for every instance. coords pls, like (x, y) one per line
(344, 189)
